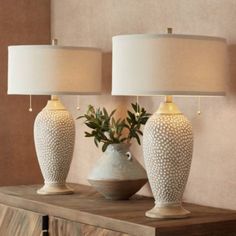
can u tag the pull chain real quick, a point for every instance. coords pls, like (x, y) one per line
(78, 107)
(30, 106)
(199, 106)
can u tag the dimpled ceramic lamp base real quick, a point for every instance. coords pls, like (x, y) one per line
(169, 211)
(168, 146)
(54, 189)
(54, 135)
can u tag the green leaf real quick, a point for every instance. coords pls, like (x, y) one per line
(104, 146)
(112, 113)
(138, 139)
(140, 132)
(88, 134)
(90, 109)
(131, 115)
(134, 106)
(105, 112)
(96, 142)
(80, 117)
(92, 125)
(123, 139)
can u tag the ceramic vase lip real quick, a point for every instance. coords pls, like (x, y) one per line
(120, 147)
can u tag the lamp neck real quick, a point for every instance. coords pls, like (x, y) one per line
(54, 97)
(54, 104)
(168, 99)
(168, 107)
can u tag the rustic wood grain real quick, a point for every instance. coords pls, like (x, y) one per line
(227, 228)
(88, 207)
(61, 227)
(18, 222)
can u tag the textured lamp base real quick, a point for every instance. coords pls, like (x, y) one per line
(54, 136)
(165, 212)
(168, 146)
(54, 189)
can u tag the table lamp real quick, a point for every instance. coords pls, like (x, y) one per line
(168, 64)
(54, 70)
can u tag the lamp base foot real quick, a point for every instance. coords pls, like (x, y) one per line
(167, 212)
(54, 189)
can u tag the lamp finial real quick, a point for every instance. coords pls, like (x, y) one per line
(54, 42)
(169, 30)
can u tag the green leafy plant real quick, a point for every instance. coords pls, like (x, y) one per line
(107, 130)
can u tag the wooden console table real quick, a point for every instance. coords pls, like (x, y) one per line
(87, 213)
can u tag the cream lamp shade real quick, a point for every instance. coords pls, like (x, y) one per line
(168, 64)
(57, 70)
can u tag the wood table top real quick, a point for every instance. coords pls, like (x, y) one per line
(89, 207)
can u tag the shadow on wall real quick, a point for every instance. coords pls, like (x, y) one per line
(106, 72)
(231, 84)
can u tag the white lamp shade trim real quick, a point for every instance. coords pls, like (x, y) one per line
(46, 69)
(168, 65)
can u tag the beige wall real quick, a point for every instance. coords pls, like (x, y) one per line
(93, 22)
(21, 22)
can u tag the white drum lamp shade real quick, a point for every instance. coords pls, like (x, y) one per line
(168, 65)
(54, 70)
